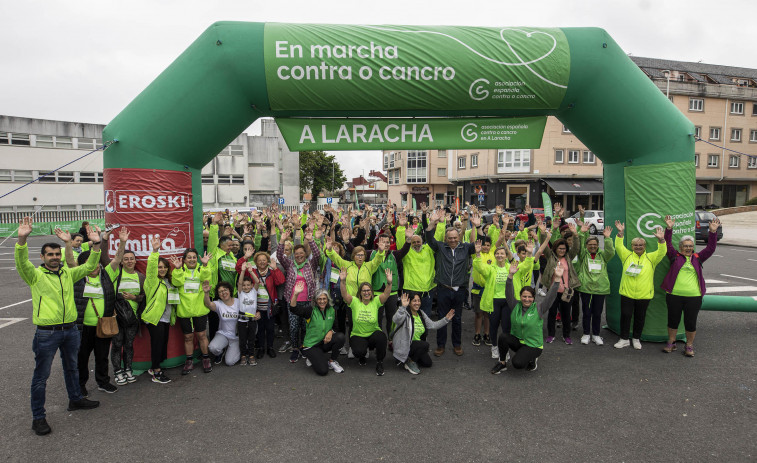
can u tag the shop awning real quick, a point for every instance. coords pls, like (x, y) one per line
(576, 186)
(702, 190)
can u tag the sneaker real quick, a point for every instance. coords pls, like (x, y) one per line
(308, 363)
(151, 372)
(343, 351)
(84, 392)
(207, 367)
(585, 339)
(286, 347)
(120, 377)
(495, 352)
(130, 378)
(477, 339)
(550, 339)
(597, 340)
(622, 343)
(380, 369)
(568, 341)
(188, 367)
(362, 361)
(334, 365)
(295, 356)
(507, 357)
(350, 354)
(160, 378)
(82, 404)
(251, 360)
(271, 352)
(439, 351)
(532, 365)
(688, 351)
(243, 360)
(107, 387)
(41, 427)
(260, 352)
(498, 368)
(636, 344)
(412, 367)
(487, 340)
(218, 358)
(669, 347)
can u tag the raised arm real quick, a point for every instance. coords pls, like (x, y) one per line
(123, 236)
(387, 287)
(206, 300)
(346, 296)
(510, 287)
(544, 245)
(712, 241)
(68, 251)
(620, 248)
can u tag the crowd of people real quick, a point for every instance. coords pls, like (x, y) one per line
(349, 282)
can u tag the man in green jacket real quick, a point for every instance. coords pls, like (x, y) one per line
(55, 315)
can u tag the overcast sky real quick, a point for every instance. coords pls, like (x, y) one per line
(85, 61)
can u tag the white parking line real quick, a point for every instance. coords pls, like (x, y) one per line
(740, 278)
(17, 303)
(715, 282)
(731, 289)
(753, 260)
(9, 321)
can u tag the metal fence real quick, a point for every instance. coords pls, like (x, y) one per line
(51, 216)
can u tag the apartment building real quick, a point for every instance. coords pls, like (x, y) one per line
(250, 171)
(422, 175)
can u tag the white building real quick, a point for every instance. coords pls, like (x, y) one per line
(251, 171)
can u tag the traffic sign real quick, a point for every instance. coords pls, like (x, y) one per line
(281, 201)
(481, 198)
(328, 200)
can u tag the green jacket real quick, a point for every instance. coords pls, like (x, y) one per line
(52, 293)
(640, 286)
(191, 304)
(489, 273)
(318, 324)
(594, 281)
(356, 275)
(156, 292)
(217, 273)
(419, 269)
(379, 277)
(528, 327)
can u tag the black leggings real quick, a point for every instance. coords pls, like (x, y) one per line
(158, 343)
(265, 331)
(419, 353)
(689, 306)
(246, 332)
(388, 310)
(124, 339)
(636, 308)
(523, 353)
(592, 305)
(317, 353)
(101, 346)
(377, 340)
(564, 308)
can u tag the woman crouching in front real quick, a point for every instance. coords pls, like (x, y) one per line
(411, 326)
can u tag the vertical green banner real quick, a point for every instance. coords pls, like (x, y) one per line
(547, 201)
(648, 200)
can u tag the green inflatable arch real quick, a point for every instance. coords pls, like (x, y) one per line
(235, 73)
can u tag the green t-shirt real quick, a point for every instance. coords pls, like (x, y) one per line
(129, 284)
(500, 281)
(687, 282)
(364, 317)
(523, 276)
(93, 291)
(419, 328)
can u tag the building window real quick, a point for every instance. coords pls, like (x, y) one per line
(4, 138)
(397, 177)
(20, 139)
(737, 107)
(573, 156)
(207, 179)
(714, 133)
(733, 162)
(64, 142)
(461, 162)
(752, 163)
(44, 141)
(89, 177)
(442, 153)
(559, 156)
(416, 166)
(753, 136)
(712, 160)
(5, 175)
(697, 132)
(754, 109)
(46, 177)
(696, 160)
(233, 150)
(86, 143)
(736, 135)
(237, 179)
(513, 161)
(386, 161)
(439, 199)
(47, 141)
(565, 129)
(696, 104)
(589, 158)
(441, 172)
(23, 175)
(65, 177)
(474, 160)
(281, 183)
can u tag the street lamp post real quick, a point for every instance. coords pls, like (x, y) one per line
(667, 89)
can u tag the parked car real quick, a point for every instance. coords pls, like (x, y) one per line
(703, 225)
(523, 217)
(595, 219)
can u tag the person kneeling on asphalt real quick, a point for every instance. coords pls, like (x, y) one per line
(320, 338)
(526, 338)
(227, 308)
(409, 335)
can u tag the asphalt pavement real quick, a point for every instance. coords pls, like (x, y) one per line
(583, 403)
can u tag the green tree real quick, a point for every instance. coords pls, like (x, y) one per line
(318, 172)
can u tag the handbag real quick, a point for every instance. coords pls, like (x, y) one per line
(107, 327)
(122, 308)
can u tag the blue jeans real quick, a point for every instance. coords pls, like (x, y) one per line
(46, 343)
(447, 299)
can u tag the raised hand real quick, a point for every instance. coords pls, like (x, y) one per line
(389, 277)
(217, 218)
(345, 234)
(530, 248)
(318, 234)
(513, 268)
(249, 253)
(402, 222)
(450, 315)
(382, 246)
(155, 241)
(123, 234)
(572, 227)
(476, 220)
(528, 210)
(621, 227)
(559, 270)
(477, 246)
(299, 287)
(205, 258)
(405, 300)
(714, 224)
(670, 221)
(581, 210)
(175, 261)
(343, 273)
(93, 234)
(607, 231)
(409, 232)
(64, 236)
(557, 208)
(499, 210)
(659, 233)
(206, 286)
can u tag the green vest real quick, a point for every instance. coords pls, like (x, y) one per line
(318, 325)
(528, 327)
(379, 277)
